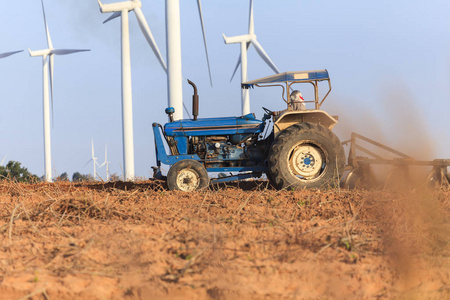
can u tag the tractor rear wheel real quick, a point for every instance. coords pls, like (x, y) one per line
(187, 175)
(306, 155)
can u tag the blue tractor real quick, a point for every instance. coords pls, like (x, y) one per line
(294, 148)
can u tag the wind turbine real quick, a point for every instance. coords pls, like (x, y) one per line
(94, 160)
(47, 67)
(173, 39)
(6, 54)
(245, 41)
(122, 9)
(106, 163)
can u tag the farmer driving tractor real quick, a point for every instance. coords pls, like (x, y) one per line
(297, 102)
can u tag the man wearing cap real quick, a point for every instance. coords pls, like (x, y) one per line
(296, 103)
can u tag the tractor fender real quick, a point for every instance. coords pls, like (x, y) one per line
(290, 118)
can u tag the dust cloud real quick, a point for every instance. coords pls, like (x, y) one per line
(412, 223)
(406, 126)
(395, 120)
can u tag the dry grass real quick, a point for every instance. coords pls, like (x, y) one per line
(137, 241)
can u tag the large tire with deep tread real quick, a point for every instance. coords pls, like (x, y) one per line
(187, 175)
(306, 155)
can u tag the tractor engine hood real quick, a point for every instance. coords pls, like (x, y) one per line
(247, 124)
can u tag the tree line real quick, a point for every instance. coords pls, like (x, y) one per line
(13, 170)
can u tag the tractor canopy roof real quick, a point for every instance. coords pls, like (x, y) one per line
(286, 77)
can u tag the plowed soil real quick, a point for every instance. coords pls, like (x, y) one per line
(140, 241)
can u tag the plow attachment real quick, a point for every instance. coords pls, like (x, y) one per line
(359, 172)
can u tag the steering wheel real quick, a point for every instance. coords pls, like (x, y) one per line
(268, 111)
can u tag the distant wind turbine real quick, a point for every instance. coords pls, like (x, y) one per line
(106, 163)
(122, 9)
(94, 160)
(47, 67)
(245, 41)
(6, 54)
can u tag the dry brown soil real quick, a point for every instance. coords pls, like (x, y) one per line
(140, 241)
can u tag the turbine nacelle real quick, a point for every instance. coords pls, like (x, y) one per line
(246, 38)
(43, 53)
(119, 6)
(134, 5)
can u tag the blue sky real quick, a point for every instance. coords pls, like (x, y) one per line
(388, 62)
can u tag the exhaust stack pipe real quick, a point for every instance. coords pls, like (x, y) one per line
(194, 100)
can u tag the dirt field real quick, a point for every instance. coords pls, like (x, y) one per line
(139, 241)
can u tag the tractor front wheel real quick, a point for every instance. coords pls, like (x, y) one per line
(306, 155)
(187, 175)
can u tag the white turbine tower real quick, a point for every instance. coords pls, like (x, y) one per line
(173, 39)
(122, 9)
(6, 54)
(94, 160)
(245, 41)
(47, 67)
(106, 163)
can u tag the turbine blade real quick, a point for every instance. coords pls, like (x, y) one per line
(87, 163)
(113, 16)
(106, 157)
(67, 51)
(148, 36)
(3, 160)
(238, 63)
(204, 39)
(92, 142)
(264, 55)
(251, 24)
(186, 110)
(6, 54)
(236, 68)
(49, 40)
